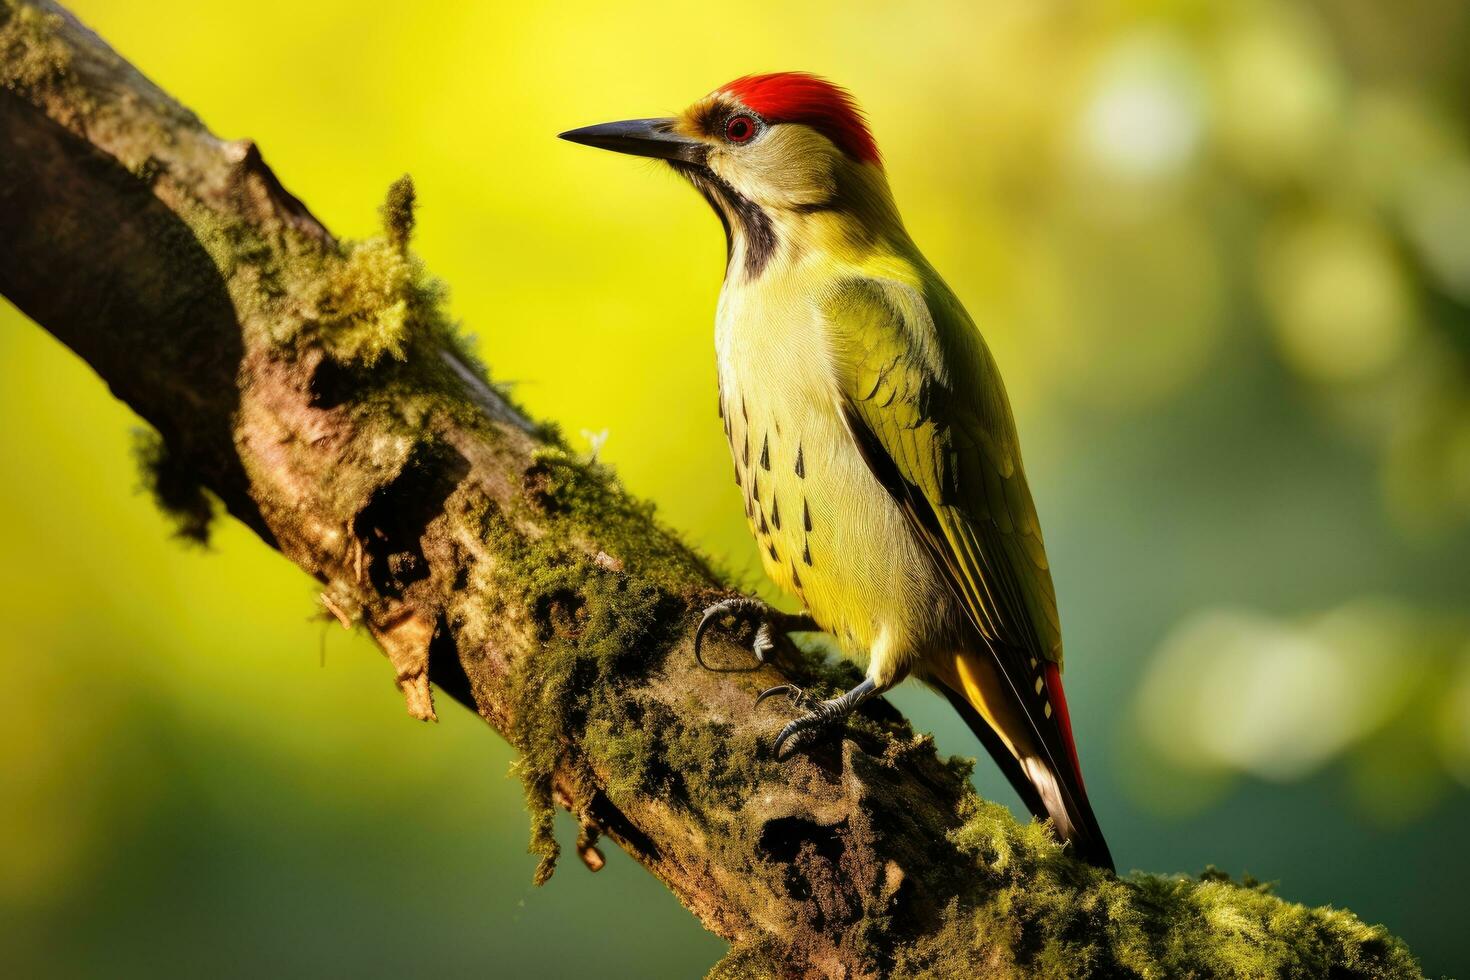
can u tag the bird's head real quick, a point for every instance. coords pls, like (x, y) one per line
(768, 151)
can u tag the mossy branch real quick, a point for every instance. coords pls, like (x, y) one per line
(317, 390)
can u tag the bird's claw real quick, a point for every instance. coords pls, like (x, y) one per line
(741, 609)
(770, 633)
(822, 714)
(796, 694)
(826, 713)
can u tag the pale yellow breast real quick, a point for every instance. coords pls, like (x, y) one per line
(827, 531)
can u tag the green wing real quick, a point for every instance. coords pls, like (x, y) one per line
(926, 404)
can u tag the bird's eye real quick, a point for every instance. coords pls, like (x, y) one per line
(739, 129)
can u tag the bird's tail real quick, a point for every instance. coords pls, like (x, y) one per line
(1032, 744)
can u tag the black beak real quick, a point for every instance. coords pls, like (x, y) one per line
(640, 137)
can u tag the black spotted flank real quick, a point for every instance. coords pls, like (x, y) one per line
(800, 463)
(771, 548)
(806, 553)
(775, 513)
(795, 576)
(766, 452)
(806, 515)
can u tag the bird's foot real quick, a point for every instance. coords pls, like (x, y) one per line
(823, 714)
(771, 627)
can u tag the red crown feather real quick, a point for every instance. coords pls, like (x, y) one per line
(799, 97)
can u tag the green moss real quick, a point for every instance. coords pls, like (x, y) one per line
(1030, 910)
(586, 502)
(398, 212)
(394, 355)
(600, 631)
(175, 487)
(1212, 873)
(647, 750)
(256, 274)
(32, 58)
(375, 303)
(597, 629)
(364, 308)
(536, 782)
(758, 959)
(708, 764)
(630, 754)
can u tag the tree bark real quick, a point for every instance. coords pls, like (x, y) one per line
(316, 390)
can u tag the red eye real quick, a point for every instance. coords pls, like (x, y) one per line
(739, 129)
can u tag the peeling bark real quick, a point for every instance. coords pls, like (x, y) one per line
(316, 389)
(406, 642)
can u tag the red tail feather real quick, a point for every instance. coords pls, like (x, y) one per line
(1064, 719)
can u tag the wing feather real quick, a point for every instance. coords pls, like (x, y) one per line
(924, 402)
(930, 400)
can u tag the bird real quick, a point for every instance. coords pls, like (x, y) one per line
(874, 445)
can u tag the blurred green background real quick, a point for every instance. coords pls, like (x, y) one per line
(1221, 250)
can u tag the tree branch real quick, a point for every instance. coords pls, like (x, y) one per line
(316, 389)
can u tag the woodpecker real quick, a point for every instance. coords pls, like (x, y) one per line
(873, 441)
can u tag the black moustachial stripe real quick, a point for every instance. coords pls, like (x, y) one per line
(739, 214)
